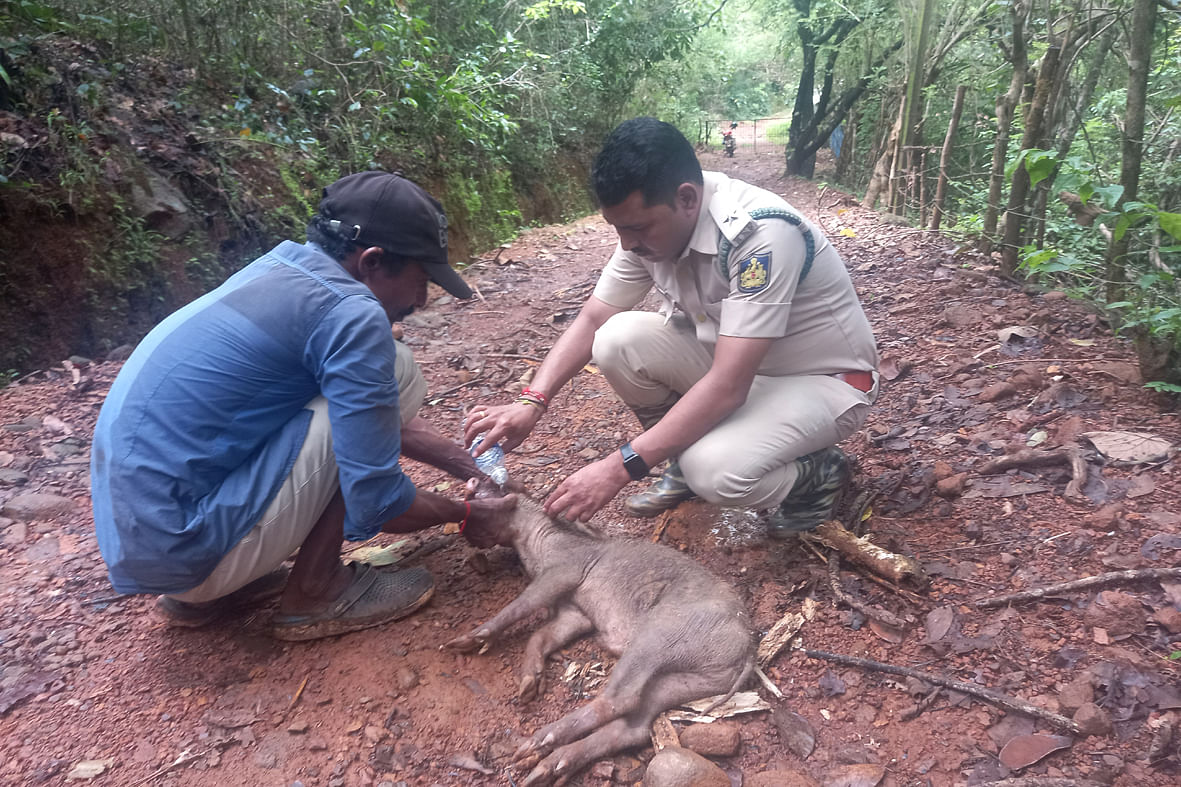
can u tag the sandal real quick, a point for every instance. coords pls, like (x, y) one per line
(373, 598)
(185, 614)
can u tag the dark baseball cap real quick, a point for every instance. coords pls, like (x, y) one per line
(387, 210)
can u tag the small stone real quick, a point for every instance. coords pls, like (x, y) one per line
(1075, 694)
(1117, 613)
(677, 767)
(1093, 720)
(10, 477)
(780, 779)
(997, 391)
(1169, 618)
(952, 486)
(603, 769)
(297, 727)
(719, 739)
(37, 505)
(407, 678)
(374, 734)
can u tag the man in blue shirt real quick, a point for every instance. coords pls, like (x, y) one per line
(268, 418)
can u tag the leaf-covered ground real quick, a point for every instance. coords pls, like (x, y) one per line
(976, 369)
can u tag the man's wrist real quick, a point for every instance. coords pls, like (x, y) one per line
(633, 463)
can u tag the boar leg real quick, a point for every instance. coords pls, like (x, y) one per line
(649, 678)
(622, 733)
(543, 592)
(566, 626)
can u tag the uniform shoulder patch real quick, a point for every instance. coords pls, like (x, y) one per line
(754, 272)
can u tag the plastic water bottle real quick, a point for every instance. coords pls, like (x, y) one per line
(491, 462)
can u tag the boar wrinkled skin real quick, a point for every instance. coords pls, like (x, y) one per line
(680, 634)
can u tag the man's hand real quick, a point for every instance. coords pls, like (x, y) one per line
(507, 424)
(582, 494)
(488, 523)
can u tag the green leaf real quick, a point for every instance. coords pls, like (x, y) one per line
(1109, 195)
(1170, 223)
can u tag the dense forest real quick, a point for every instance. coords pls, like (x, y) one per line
(149, 149)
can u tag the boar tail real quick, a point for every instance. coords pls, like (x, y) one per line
(747, 669)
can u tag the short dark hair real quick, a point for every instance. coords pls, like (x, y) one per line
(647, 155)
(338, 247)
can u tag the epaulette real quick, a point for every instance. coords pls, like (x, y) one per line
(726, 243)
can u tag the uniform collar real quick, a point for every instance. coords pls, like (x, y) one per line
(717, 211)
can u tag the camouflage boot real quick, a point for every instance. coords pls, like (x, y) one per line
(823, 474)
(669, 492)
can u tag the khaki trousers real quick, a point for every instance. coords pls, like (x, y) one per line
(749, 458)
(302, 498)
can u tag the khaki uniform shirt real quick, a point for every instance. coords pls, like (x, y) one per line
(819, 324)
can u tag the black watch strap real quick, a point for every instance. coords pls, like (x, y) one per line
(635, 465)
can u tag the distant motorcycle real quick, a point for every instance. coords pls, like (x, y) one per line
(729, 144)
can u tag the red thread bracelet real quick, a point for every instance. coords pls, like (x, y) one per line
(530, 392)
(467, 511)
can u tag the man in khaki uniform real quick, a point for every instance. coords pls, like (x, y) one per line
(760, 360)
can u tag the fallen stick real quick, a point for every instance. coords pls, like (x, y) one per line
(1041, 781)
(869, 610)
(996, 698)
(869, 555)
(1031, 458)
(1101, 580)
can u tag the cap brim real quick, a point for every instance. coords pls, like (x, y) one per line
(446, 277)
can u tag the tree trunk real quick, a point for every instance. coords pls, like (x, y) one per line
(1005, 106)
(1013, 238)
(945, 157)
(1139, 55)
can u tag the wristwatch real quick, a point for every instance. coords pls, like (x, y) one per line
(633, 463)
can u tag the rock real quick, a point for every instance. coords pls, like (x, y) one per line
(10, 477)
(1167, 617)
(37, 505)
(718, 739)
(1075, 694)
(1109, 517)
(1093, 720)
(863, 775)
(407, 678)
(997, 391)
(160, 204)
(942, 470)
(1118, 613)
(952, 486)
(297, 727)
(780, 779)
(121, 353)
(13, 533)
(677, 767)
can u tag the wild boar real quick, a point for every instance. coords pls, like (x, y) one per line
(680, 634)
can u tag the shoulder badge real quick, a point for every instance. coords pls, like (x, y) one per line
(754, 272)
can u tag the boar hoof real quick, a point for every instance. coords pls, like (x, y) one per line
(530, 688)
(467, 643)
(527, 755)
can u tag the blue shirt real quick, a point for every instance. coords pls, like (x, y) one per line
(204, 422)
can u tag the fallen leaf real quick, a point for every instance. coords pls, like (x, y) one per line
(1151, 548)
(27, 685)
(891, 634)
(1082, 342)
(795, 732)
(939, 621)
(863, 775)
(1018, 332)
(742, 702)
(848, 232)
(468, 762)
(379, 556)
(1137, 447)
(1025, 750)
(88, 769)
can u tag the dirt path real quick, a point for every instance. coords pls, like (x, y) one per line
(89, 676)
